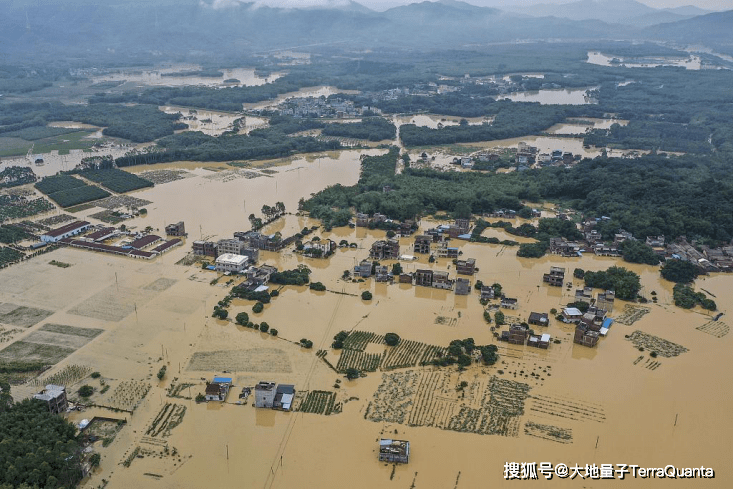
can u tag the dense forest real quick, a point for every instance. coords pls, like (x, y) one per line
(648, 196)
(37, 448)
(371, 128)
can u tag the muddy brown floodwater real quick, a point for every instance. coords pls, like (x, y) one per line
(568, 404)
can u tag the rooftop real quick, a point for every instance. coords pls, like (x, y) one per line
(55, 233)
(231, 259)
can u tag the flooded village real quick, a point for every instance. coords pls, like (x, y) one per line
(197, 324)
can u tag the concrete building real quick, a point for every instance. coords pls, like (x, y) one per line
(487, 292)
(385, 250)
(509, 303)
(444, 251)
(204, 248)
(55, 398)
(382, 274)
(364, 269)
(584, 336)
(463, 286)
(466, 267)
(229, 262)
(540, 319)
(422, 244)
(605, 300)
(362, 220)
(265, 394)
(284, 395)
(394, 451)
(218, 389)
(572, 314)
(229, 246)
(556, 277)
(71, 229)
(424, 278)
(177, 229)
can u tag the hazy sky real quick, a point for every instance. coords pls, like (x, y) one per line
(384, 4)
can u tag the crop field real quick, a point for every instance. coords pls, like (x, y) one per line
(9, 255)
(431, 399)
(54, 221)
(13, 176)
(159, 177)
(632, 314)
(119, 201)
(10, 234)
(68, 191)
(548, 432)
(59, 183)
(22, 316)
(170, 416)
(50, 344)
(410, 354)
(127, 395)
(35, 352)
(112, 304)
(161, 284)
(177, 389)
(567, 408)
(358, 340)
(117, 180)
(365, 362)
(67, 376)
(272, 360)
(16, 207)
(105, 429)
(108, 216)
(656, 344)
(714, 328)
(319, 402)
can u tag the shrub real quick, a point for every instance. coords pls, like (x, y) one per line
(273, 332)
(257, 308)
(317, 286)
(242, 318)
(306, 343)
(392, 339)
(352, 373)
(264, 327)
(96, 375)
(95, 459)
(200, 397)
(366, 295)
(161, 372)
(86, 390)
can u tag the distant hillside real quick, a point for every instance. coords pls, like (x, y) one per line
(712, 29)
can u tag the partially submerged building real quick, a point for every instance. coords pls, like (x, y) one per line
(463, 286)
(394, 451)
(556, 277)
(55, 398)
(385, 249)
(466, 267)
(230, 263)
(540, 319)
(218, 389)
(284, 394)
(177, 229)
(265, 394)
(66, 231)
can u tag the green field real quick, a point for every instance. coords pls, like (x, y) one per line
(117, 180)
(68, 191)
(16, 146)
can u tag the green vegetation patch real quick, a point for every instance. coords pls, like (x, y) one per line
(686, 297)
(9, 255)
(117, 180)
(14, 207)
(35, 352)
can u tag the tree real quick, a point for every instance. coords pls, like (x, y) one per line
(86, 390)
(6, 400)
(273, 332)
(257, 308)
(338, 340)
(264, 327)
(95, 459)
(462, 211)
(220, 312)
(478, 285)
(497, 289)
(242, 318)
(464, 360)
(391, 234)
(634, 251)
(306, 343)
(366, 295)
(161, 372)
(499, 318)
(582, 306)
(396, 269)
(579, 273)
(678, 271)
(392, 339)
(352, 373)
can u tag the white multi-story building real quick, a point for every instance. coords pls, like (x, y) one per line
(229, 262)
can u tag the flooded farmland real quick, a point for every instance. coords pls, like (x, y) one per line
(690, 62)
(159, 313)
(554, 96)
(185, 75)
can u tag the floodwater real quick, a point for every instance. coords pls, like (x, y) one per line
(581, 126)
(54, 162)
(690, 63)
(245, 77)
(559, 96)
(615, 408)
(321, 91)
(435, 121)
(214, 123)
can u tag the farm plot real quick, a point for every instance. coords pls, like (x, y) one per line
(35, 352)
(21, 316)
(410, 354)
(358, 340)
(319, 402)
(127, 395)
(548, 432)
(632, 314)
(505, 406)
(656, 344)
(117, 201)
(176, 390)
(68, 191)
(105, 429)
(393, 400)
(71, 330)
(160, 177)
(714, 328)
(117, 180)
(55, 221)
(161, 284)
(9, 256)
(434, 405)
(112, 304)
(364, 362)
(568, 408)
(170, 416)
(272, 360)
(229, 175)
(10, 234)
(13, 206)
(67, 376)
